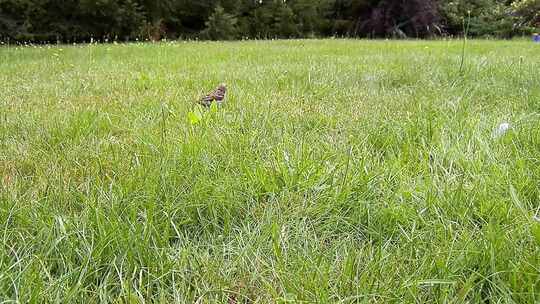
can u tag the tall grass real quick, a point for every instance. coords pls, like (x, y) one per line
(338, 171)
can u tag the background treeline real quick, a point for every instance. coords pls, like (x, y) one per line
(107, 20)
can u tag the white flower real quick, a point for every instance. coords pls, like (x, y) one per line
(501, 130)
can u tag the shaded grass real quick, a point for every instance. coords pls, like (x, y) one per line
(338, 171)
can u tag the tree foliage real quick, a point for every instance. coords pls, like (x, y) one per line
(220, 25)
(528, 13)
(82, 20)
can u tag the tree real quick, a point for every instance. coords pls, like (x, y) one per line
(484, 17)
(79, 20)
(261, 22)
(284, 25)
(220, 25)
(528, 13)
(312, 16)
(110, 19)
(416, 18)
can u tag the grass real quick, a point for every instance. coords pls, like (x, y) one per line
(338, 171)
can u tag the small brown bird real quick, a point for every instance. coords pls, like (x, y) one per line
(218, 95)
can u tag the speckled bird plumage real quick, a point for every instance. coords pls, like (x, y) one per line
(218, 96)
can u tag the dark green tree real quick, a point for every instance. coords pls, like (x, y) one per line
(220, 25)
(261, 22)
(284, 25)
(80, 20)
(312, 16)
(110, 19)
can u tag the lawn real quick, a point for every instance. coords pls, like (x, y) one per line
(337, 171)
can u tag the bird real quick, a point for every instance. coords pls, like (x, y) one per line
(218, 95)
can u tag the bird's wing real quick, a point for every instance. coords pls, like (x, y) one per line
(209, 97)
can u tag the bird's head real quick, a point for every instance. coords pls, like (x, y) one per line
(222, 87)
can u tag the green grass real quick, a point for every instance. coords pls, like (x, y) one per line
(338, 171)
